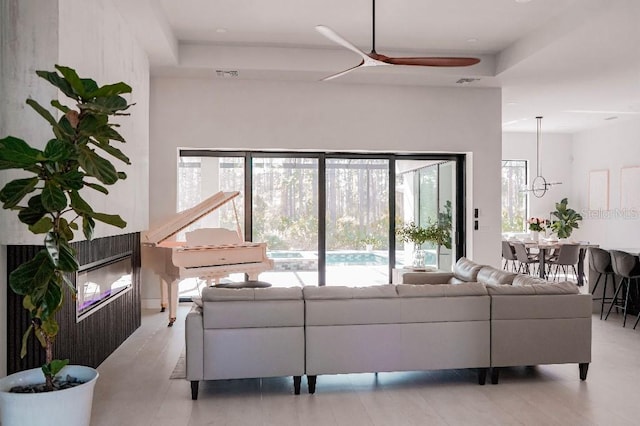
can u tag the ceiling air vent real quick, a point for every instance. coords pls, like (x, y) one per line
(226, 74)
(467, 80)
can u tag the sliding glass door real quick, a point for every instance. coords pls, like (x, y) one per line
(357, 221)
(285, 216)
(325, 217)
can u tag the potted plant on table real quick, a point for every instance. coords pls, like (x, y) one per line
(438, 234)
(54, 177)
(568, 219)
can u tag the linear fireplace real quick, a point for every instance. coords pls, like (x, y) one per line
(92, 327)
(100, 282)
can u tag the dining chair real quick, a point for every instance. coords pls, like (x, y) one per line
(567, 257)
(600, 262)
(509, 255)
(627, 266)
(525, 258)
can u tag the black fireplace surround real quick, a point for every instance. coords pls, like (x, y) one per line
(85, 338)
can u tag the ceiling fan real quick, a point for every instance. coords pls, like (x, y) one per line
(374, 59)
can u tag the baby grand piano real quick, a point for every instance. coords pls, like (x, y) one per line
(207, 253)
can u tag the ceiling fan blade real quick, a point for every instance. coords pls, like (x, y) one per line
(337, 38)
(341, 73)
(433, 61)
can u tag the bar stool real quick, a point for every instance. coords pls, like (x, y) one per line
(509, 255)
(628, 267)
(600, 261)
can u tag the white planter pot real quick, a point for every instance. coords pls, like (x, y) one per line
(69, 407)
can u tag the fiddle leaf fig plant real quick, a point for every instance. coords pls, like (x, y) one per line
(50, 200)
(568, 219)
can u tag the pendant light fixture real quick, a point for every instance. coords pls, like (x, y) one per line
(540, 185)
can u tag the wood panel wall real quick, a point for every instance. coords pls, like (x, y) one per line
(94, 338)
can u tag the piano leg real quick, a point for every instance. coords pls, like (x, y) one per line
(173, 301)
(163, 295)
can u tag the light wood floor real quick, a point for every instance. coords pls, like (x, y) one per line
(134, 389)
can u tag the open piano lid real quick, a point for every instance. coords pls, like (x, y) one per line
(186, 217)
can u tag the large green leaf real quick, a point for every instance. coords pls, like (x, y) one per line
(57, 150)
(62, 84)
(14, 191)
(57, 364)
(78, 204)
(97, 187)
(96, 166)
(65, 229)
(110, 90)
(25, 340)
(17, 154)
(42, 226)
(51, 246)
(90, 86)
(73, 79)
(112, 150)
(34, 212)
(90, 123)
(67, 261)
(53, 198)
(32, 275)
(71, 180)
(56, 104)
(51, 304)
(111, 219)
(106, 105)
(88, 225)
(43, 112)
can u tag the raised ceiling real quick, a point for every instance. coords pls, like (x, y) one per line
(575, 62)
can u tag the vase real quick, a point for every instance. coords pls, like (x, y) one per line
(535, 236)
(69, 407)
(418, 258)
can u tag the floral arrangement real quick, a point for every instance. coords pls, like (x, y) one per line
(538, 224)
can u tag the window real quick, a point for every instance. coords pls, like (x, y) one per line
(514, 197)
(326, 216)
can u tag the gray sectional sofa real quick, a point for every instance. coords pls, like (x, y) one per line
(490, 318)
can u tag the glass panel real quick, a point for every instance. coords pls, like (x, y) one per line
(357, 221)
(285, 216)
(199, 178)
(425, 196)
(514, 199)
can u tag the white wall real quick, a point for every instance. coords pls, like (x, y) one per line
(611, 147)
(556, 159)
(222, 114)
(92, 38)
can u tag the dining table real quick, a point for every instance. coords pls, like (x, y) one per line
(545, 246)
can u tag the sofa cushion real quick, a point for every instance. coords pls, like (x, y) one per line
(544, 288)
(521, 279)
(342, 292)
(426, 277)
(215, 294)
(490, 275)
(441, 290)
(466, 270)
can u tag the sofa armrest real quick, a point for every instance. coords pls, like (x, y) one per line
(194, 341)
(426, 277)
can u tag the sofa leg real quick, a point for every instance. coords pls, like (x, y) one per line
(482, 376)
(495, 375)
(296, 384)
(311, 382)
(194, 389)
(584, 367)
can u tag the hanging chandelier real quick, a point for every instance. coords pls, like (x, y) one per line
(539, 186)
